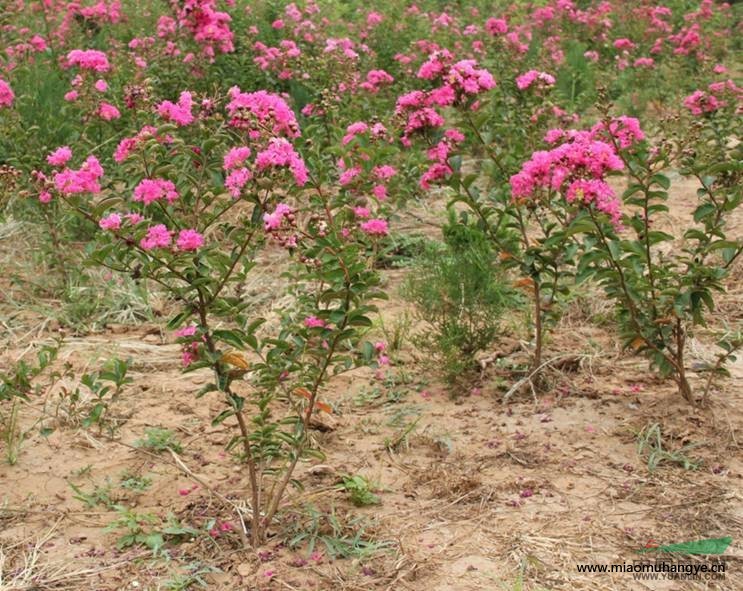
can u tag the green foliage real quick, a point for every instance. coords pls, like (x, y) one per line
(340, 534)
(146, 529)
(360, 490)
(575, 79)
(664, 283)
(461, 292)
(158, 439)
(192, 577)
(100, 495)
(17, 386)
(135, 482)
(19, 381)
(650, 444)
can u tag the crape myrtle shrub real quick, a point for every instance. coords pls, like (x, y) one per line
(183, 142)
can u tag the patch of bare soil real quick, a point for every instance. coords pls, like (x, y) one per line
(476, 493)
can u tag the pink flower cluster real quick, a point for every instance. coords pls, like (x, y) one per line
(496, 26)
(467, 79)
(210, 27)
(280, 153)
(180, 112)
(376, 79)
(527, 79)
(189, 350)
(260, 112)
(108, 112)
(462, 81)
(576, 168)
(376, 130)
(273, 221)
(83, 180)
(625, 131)
(277, 59)
(439, 155)
(314, 322)
(189, 240)
(88, 59)
(419, 117)
(6, 94)
(60, 157)
(236, 181)
(157, 237)
(114, 220)
(129, 144)
(235, 157)
(375, 227)
(701, 102)
(151, 190)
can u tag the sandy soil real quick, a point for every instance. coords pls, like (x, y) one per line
(477, 494)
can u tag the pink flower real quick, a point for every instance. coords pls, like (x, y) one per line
(83, 180)
(353, 130)
(598, 193)
(314, 322)
(45, 197)
(209, 26)
(348, 175)
(625, 130)
(384, 172)
(179, 113)
(236, 180)
(361, 212)
(496, 26)
(280, 153)
(110, 222)
(375, 79)
(190, 354)
(189, 239)
(128, 144)
(157, 237)
(101, 85)
(60, 156)
(236, 157)
(6, 94)
(272, 221)
(38, 43)
(375, 227)
(380, 192)
(71, 96)
(150, 190)
(257, 110)
(644, 62)
(699, 103)
(186, 331)
(108, 112)
(89, 59)
(526, 80)
(624, 44)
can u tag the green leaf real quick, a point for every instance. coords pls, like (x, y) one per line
(661, 180)
(221, 417)
(708, 546)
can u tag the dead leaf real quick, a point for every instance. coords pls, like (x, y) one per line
(235, 359)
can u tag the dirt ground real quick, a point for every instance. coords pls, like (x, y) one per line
(476, 493)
